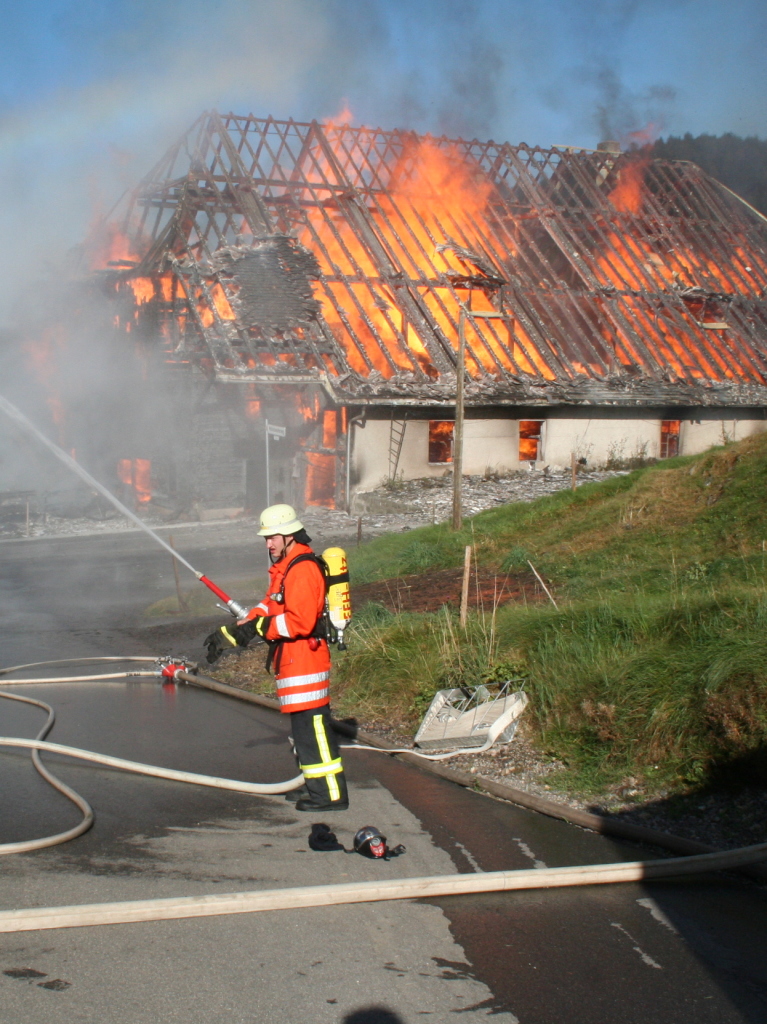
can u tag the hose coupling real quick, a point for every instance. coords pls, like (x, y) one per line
(168, 669)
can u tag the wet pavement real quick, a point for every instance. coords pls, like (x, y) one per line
(669, 952)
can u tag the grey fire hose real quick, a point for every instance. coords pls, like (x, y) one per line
(70, 794)
(38, 918)
(39, 743)
(307, 896)
(72, 661)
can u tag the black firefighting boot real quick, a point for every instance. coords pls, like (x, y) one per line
(327, 793)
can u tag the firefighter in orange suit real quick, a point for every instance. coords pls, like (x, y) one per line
(289, 618)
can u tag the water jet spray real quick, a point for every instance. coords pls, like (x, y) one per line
(18, 417)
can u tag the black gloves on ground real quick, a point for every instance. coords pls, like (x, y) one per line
(322, 839)
(226, 638)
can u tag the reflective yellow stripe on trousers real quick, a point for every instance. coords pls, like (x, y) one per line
(329, 766)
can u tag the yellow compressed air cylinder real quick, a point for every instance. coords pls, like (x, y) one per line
(339, 600)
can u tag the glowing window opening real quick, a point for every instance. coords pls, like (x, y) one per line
(530, 440)
(441, 442)
(669, 438)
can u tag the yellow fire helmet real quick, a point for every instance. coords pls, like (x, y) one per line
(280, 519)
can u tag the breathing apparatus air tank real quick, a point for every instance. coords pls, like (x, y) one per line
(338, 596)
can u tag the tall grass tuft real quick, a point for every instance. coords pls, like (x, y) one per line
(669, 689)
(397, 662)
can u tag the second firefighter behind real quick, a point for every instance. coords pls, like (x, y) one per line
(289, 618)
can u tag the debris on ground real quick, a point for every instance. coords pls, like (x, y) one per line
(392, 508)
(403, 505)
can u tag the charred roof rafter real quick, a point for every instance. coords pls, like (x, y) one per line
(601, 294)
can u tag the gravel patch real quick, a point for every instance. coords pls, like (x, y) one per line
(402, 506)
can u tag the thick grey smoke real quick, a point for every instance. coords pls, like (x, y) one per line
(93, 96)
(70, 150)
(634, 119)
(623, 112)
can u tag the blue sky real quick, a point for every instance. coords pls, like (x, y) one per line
(91, 93)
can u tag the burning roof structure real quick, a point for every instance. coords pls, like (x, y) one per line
(283, 253)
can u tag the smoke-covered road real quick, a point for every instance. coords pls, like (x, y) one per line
(675, 952)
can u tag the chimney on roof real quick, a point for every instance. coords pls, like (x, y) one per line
(609, 146)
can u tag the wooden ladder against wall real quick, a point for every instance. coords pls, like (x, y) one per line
(396, 437)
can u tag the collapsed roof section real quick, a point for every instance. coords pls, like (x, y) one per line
(296, 253)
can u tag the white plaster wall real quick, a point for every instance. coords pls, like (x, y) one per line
(490, 444)
(596, 439)
(697, 437)
(487, 444)
(370, 454)
(494, 444)
(414, 458)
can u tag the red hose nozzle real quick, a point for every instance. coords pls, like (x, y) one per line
(236, 609)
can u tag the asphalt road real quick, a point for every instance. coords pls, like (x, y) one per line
(671, 953)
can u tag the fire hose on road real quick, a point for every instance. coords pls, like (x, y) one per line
(169, 671)
(308, 896)
(39, 743)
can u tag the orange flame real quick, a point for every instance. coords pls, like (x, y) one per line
(320, 479)
(220, 302)
(308, 405)
(107, 244)
(167, 284)
(435, 200)
(628, 194)
(136, 474)
(434, 190)
(344, 116)
(143, 289)
(329, 429)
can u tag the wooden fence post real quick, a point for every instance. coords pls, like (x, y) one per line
(465, 587)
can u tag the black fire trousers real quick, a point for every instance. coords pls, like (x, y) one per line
(316, 747)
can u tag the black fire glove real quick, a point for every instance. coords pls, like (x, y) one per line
(261, 625)
(225, 638)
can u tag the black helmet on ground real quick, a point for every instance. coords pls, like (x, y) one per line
(371, 843)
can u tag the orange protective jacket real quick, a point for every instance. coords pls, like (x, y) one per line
(302, 662)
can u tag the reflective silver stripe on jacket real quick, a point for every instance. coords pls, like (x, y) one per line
(303, 698)
(282, 625)
(314, 677)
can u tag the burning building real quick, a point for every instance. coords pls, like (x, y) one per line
(303, 287)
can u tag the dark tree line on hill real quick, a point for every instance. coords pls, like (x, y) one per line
(740, 164)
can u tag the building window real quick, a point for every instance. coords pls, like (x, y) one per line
(530, 449)
(441, 441)
(669, 438)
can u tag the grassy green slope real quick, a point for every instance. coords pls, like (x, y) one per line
(655, 664)
(705, 513)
